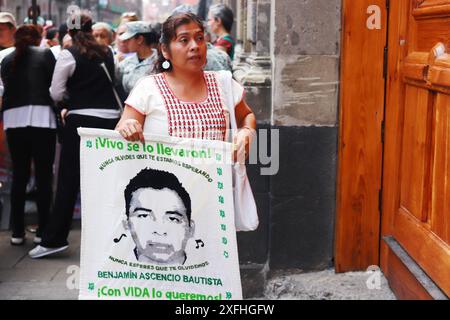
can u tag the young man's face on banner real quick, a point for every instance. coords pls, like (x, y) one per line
(159, 225)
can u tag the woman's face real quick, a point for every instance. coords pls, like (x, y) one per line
(133, 44)
(187, 51)
(213, 24)
(121, 45)
(102, 36)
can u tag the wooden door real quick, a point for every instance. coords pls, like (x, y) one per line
(362, 93)
(416, 179)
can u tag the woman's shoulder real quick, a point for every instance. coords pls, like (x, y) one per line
(146, 85)
(7, 55)
(220, 74)
(148, 79)
(44, 52)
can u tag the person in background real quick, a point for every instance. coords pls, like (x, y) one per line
(91, 104)
(52, 38)
(121, 47)
(128, 17)
(216, 59)
(7, 30)
(62, 31)
(30, 16)
(142, 39)
(67, 42)
(52, 41)
(30, 125)
(220, 22)
(58, 41)
(103, 33)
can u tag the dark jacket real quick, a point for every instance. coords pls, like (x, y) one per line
(29, 82)
(89, 86)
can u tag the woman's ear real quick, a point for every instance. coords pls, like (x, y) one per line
(140, 40)
(165, 52)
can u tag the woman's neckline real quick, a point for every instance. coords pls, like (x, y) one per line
(183, 101)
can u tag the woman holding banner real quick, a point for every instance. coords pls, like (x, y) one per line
(182, 100)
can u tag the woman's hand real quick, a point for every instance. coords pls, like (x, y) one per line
(131, 130)
(63, 115)
(246, 122)
(131, 124)
(242, 142)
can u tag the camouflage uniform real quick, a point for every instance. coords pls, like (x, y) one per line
(131, 70)
(217, 59)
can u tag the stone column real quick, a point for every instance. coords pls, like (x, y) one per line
(243, 46)
(305, 81)
(255, 72)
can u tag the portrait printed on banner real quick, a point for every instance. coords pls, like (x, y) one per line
(158, 217)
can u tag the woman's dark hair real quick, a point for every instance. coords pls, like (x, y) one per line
(83, 40)
(225, 14)
(62, 31)
(30, 10)
(51, 34)
(26, 36)
(168, 33)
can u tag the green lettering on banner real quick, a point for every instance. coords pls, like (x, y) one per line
(136, 292)
(162, 149)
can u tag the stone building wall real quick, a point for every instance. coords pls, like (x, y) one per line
(288, 61)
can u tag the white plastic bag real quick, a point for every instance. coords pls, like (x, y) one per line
(245, 212)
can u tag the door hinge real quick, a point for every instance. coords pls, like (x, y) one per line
(382, 131)
(388, 4)
(385, 62)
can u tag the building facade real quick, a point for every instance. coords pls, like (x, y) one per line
(56, 10)
(288, 60)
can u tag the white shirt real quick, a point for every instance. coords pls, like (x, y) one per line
(147, 100)
(56, 50)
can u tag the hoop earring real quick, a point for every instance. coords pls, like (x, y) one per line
(166, 65)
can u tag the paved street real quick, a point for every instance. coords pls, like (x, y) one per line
(24, 278)
(51, 278)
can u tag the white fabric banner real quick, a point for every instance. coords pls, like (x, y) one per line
(157, 219)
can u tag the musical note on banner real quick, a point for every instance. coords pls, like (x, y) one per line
(117, 240)
(199, 241)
